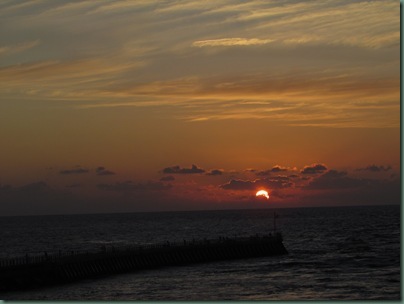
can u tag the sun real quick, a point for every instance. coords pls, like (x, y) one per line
(262, 193)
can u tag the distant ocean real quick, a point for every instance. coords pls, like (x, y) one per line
(339, 253)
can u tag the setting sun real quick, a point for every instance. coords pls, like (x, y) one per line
(262, 193)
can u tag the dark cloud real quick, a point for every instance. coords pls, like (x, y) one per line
(103, 171)
(34, 198)
(343, 190)
(167, 178)
(74, 186)
(177, 170)
(5, 188)
(374, 168)
(314, 169)
(263, 173)
(74, 171)
(215, 172)
(268, 172)
(282, 178)
(277, 184)
(278, 169)
(236, 184)
(34, 188)
(272, 183)
(338, 180)
(131, 186)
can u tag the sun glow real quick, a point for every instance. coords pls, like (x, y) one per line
(262, 193)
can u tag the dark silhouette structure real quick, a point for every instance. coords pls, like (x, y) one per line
(49, 269)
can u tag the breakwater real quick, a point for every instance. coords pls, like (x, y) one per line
(57, 268)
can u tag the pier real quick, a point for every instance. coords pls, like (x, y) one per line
(58, 268)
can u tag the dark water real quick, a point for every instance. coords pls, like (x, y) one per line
(341, 253)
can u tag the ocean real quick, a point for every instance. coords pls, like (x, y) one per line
(335, 253)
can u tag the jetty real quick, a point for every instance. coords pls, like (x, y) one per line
(57, 268)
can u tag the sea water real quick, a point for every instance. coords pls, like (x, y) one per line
(335, 253)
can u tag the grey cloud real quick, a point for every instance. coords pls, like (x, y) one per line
(274, 169)
(177, 170)
(74, 186)
(128, 186)
(374, 168)
(263, 173)
(103, 171)
(167, 178)
(278, 169)
(74, 171)
(215, 172)
(281, 178)
(314, 169)
(236, 184)
(34, 188)
(274, 183)
(338, 180)
(34, 198)
(362, 192)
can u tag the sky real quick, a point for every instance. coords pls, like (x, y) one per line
(126, 106)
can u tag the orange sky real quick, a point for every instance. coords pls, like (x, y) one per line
(99, 99)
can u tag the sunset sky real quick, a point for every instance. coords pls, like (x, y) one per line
(122, 106)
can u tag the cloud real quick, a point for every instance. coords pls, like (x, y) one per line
(334, 179)
(74, 186)
(236, 184)
(374, 168)
(177, 170)
(215, 172)
(103, 171)
(263, 173)
(34, 198)
(129, 186)
(272, 170)
(105, 74)
(278, 169)
(231, 42)
(337, 188)
(167, 178)
(5, 188)
(281, 178)
(74, 171)
(11, 49)
(240, 185)
(314, 169)
(34, 188)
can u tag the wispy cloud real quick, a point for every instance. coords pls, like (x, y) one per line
(16, 48)
(232, 42)
(304, 64)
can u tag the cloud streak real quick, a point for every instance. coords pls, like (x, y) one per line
(231, 42)
(21, 47)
